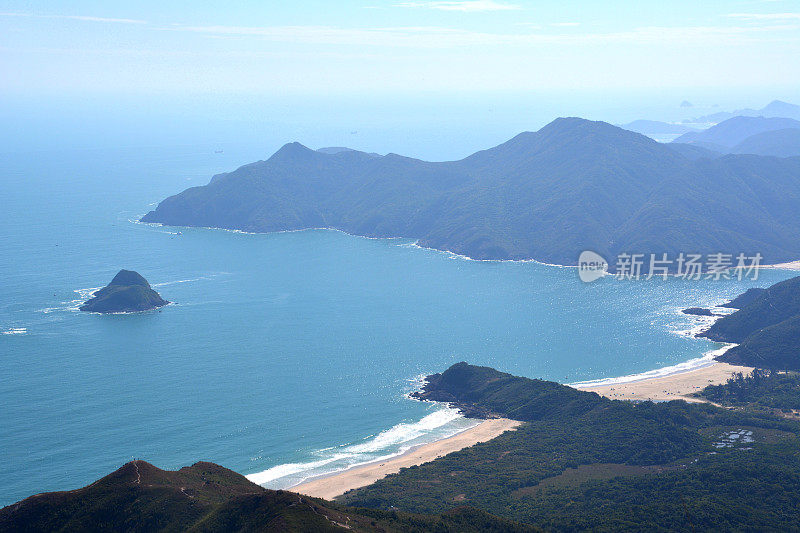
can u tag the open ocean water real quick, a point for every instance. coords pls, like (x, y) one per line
(284, 355)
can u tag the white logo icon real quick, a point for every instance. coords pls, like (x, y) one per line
(591, 266)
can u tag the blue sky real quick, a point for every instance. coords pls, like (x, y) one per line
(316, 47)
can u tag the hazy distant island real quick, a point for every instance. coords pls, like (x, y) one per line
(128, 292)
(547, 195)
(776, 108)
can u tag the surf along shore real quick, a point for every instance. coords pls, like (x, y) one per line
(676, 386)
(686, 380)
(336, 484)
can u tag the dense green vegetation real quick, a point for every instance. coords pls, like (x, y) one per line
(766, 388)
(776, 346)
(485, 392)
(745, 298)
(776, 304)
(733, 490)
(766, 326)
(608, 465)
(549, 195)
(207, 498)
(127, 292)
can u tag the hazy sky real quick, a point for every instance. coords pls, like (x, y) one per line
(283, 47)
(434, 79)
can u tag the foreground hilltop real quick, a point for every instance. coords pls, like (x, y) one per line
(128, 292)
(546, 195)
(207, 497)
(577, 462)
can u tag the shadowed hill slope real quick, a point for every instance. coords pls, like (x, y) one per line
(207, 497)
(766, 326)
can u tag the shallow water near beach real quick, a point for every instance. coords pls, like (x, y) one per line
(284, 356)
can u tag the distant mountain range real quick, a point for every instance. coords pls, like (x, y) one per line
(776, 108)
(546, 195)
(749, 135)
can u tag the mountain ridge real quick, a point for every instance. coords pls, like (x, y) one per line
(207, 497)
(547, 195)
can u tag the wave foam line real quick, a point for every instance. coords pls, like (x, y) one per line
(389, 443)
(707, 359)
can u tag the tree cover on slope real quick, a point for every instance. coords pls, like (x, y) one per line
(574, 185)
(661, 464)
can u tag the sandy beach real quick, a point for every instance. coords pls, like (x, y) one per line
(329, 487)
(791, 265)
(671, 387)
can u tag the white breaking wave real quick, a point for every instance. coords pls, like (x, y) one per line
(706, 360)
(16, 331)
(73, 305)
(700, 323)
(166, 283)
(440, 424)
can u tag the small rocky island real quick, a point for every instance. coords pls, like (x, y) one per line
(698, 311)
(128, 292)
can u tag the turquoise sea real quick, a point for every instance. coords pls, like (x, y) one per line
(284, 355)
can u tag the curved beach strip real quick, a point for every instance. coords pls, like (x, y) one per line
(675, 386)
(334, 485)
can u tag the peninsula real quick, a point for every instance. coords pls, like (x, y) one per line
(548, 195)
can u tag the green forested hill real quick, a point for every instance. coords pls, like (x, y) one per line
(776, 346)
(616, 466)
(766, 308)
(763, 388)
(547, 195)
